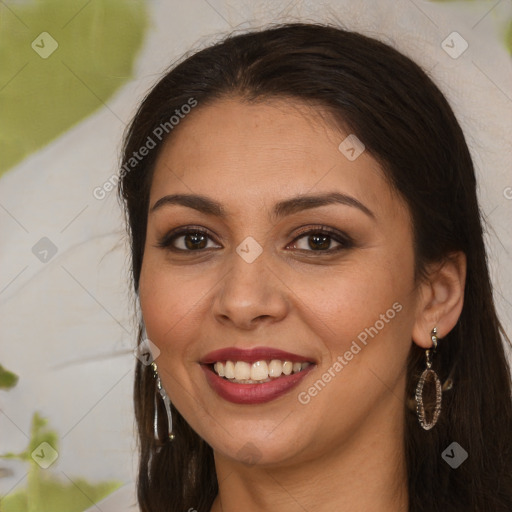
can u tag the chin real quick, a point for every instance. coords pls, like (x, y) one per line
(261, 450)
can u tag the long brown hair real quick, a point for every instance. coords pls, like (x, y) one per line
(407, 125)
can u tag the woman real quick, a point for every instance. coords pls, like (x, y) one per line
(308, 255)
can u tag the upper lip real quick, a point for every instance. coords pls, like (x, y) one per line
(252, 355)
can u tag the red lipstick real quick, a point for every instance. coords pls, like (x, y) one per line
(252, 355)
(253, 393)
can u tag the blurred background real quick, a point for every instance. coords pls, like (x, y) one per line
(72, 73)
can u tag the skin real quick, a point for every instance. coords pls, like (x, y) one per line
(343, 449)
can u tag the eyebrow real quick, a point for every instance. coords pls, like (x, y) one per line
(283, 208)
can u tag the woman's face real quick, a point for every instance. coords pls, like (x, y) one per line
(331, 283)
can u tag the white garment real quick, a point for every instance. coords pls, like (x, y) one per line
(122, 500)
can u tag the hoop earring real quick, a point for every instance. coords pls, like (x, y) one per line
(167, 404)
(420, 407)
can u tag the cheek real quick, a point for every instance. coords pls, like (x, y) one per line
(364, 316)
(165, 299)
(364, 320)
(348, 301)
(174, 302)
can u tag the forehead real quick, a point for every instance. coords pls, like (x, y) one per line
(243, 153)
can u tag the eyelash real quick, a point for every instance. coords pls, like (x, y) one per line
(341, 238)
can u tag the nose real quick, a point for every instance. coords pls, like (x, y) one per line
(250, 294)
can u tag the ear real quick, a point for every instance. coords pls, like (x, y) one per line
(441, 297)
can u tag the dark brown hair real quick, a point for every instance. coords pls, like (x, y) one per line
(407, 125)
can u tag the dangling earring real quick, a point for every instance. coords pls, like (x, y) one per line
(420, 408)
(167, 404)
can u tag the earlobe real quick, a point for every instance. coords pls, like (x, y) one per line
(441, 298)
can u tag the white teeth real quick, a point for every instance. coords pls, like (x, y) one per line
(229, 370)
(219, 368)
(242, 370)
(287, 367)
(275, 368)
(257, 372)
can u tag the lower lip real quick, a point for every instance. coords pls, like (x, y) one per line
(253, 393)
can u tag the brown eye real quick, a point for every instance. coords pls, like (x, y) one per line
(195, 241)
(321, 240)
(187, 240)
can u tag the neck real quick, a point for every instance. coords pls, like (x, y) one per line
(366, 472)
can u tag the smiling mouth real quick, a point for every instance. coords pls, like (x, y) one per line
(258, 372)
